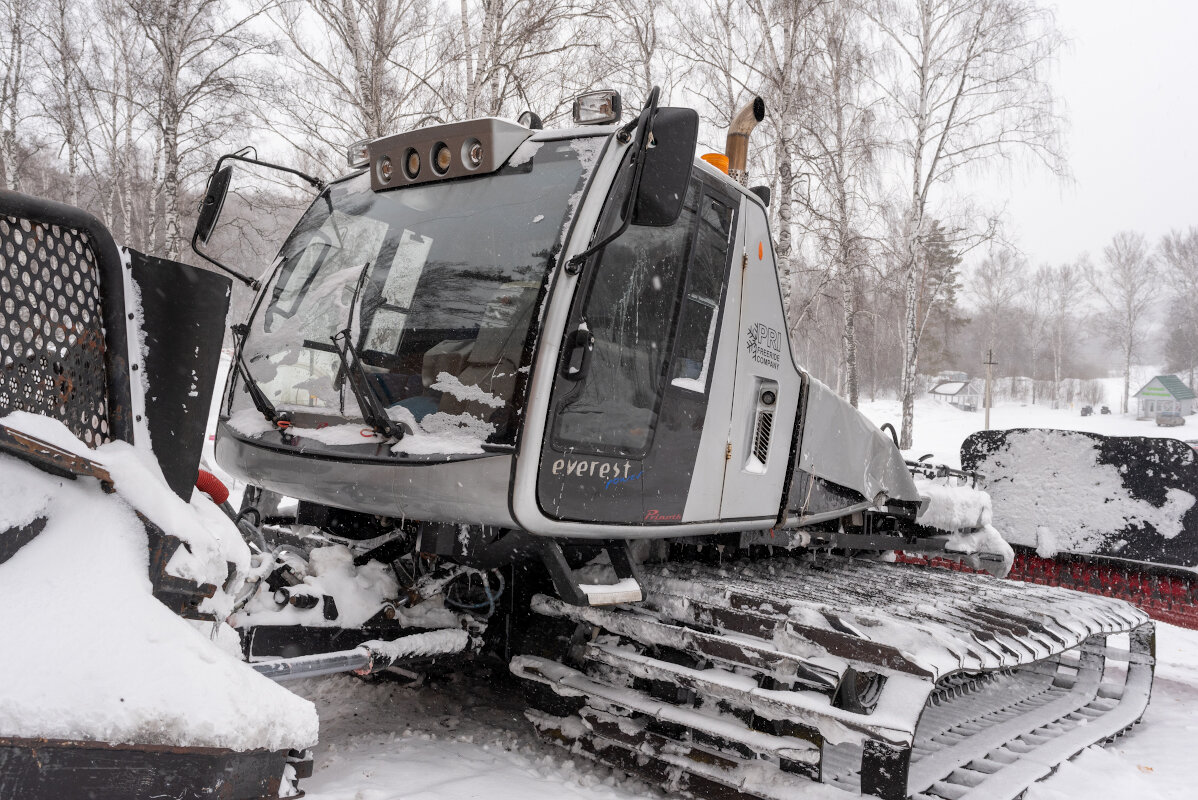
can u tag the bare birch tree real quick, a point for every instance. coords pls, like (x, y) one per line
(779, 70)
(648, 46)
(714, 48)
(15, 54)
(112, 109)
(507, 53)
(360, 69)
(1066, 292)
(968, 86)
(1126, 286)
(198, 70)
(63, 50)
(1036, 307)
(837, 145)
(996, 285)
(1179, 259)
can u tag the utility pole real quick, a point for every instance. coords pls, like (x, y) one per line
(990, 362)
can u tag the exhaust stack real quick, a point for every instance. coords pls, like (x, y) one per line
(737, 145)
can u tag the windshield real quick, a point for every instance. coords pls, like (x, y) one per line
(437, 284)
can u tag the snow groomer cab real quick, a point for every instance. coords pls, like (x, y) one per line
(575, 334)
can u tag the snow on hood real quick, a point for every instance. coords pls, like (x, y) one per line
(89, 652)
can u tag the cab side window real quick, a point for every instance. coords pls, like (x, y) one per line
(695, 341)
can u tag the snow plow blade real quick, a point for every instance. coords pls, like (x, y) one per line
(755, 678)
(1110, 515)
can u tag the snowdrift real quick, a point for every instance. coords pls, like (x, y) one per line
(88, 652)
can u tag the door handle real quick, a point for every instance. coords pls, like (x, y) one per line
(579, 346)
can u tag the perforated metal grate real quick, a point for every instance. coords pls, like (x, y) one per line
(51, 327)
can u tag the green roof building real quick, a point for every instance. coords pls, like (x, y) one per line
(1164, 393)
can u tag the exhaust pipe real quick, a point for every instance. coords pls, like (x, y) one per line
(737, 145)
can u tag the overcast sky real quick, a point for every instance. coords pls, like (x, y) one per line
(1129, 81)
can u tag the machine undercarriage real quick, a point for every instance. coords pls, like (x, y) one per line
(752, 670)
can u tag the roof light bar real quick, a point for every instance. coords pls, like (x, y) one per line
(442, 152)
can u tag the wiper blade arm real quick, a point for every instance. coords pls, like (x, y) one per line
(261, 401)
(372, 409)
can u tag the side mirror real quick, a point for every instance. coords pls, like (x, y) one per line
(213, 202)
(667, 168)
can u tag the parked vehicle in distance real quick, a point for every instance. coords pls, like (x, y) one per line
(1169, 419)
(1106, 409)
(1087, 410)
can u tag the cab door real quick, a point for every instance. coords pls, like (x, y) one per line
(630, 392)
(766, 386)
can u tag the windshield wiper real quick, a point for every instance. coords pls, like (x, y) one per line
(372, 409)
(261, 401)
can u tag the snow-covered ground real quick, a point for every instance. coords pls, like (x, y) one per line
(940, 428)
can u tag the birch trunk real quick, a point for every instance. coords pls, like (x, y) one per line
(783, 243)
(849, 338)
(910, 357)
(8, 151)
(155, 193)
(10, 96)
(1126, 376)
(170, 184)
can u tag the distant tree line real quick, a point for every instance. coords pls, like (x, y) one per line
(875, 110)
(1035, 321)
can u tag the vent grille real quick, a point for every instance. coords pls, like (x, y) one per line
(51, 329)
(761, 438)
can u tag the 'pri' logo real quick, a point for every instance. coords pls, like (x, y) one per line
(764, 344)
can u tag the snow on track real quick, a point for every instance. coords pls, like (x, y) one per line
(1155, 761)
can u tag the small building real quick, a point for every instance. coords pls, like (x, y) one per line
(1164, 393)
(963, 394)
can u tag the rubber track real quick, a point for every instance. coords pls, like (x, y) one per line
(721, 683)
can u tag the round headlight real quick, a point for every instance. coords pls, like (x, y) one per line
(385, 169)
(472, 153)
(442, 158)
(411, 166)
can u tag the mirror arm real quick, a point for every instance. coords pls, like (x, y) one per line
(253, 283)
(317, 183)
(642, 122)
